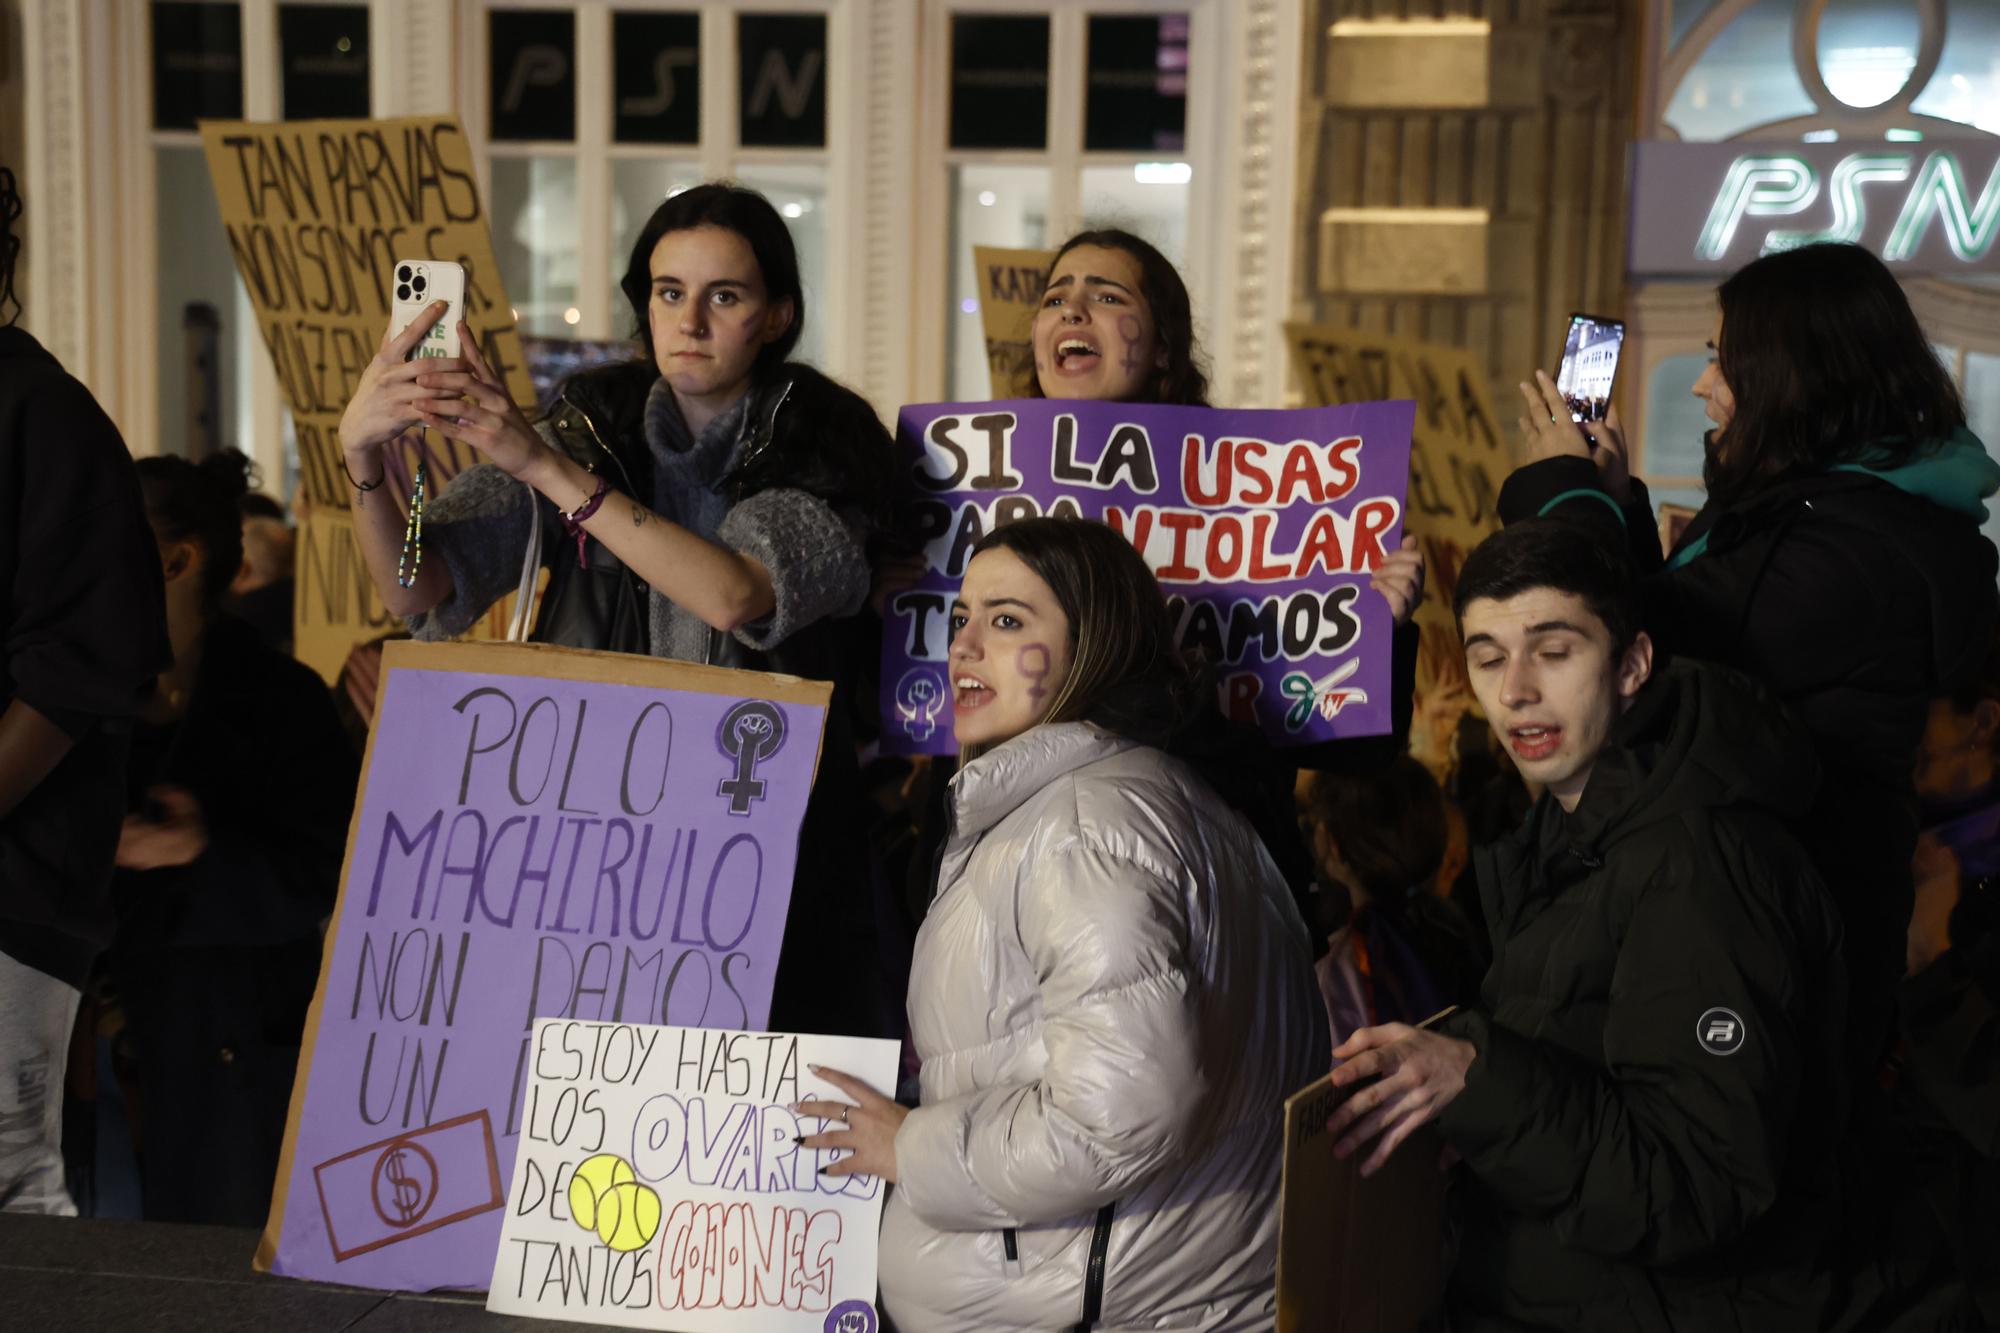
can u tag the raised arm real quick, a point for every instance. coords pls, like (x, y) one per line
(723, 587)
(387, 403)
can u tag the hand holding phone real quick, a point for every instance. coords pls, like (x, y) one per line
(417, 284)
(1589, 366)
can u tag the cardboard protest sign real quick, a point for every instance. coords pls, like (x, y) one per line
(1360, 1255)
(1262, 526)
(1457, 462)
(1010, 292)
(317, 212)
(540, 832)
(658, 1184)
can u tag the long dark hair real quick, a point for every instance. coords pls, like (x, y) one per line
(1826, 362)
(748, 214)
(10, 245)
(1182, 380)
(1126, 674)
(199, 502)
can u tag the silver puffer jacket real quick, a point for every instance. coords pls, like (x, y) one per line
(1112, 996)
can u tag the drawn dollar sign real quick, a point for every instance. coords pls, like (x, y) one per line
(409, 1192)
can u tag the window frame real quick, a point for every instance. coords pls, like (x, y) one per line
(1064, 156)
(718, 154)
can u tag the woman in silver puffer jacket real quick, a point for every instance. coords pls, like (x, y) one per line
(1112, 994)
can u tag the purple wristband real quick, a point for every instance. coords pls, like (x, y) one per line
(574, 520)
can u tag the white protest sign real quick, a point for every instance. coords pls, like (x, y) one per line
(659, 1186)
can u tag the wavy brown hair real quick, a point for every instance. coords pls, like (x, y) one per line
(1183, 380)
(1827, 362)
(1126, 674)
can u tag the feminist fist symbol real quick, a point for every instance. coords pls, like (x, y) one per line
(750, 733)
(919, 699)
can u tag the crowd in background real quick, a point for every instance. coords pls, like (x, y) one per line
(1704, 899)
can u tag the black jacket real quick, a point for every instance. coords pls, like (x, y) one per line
(216, 960)
(1856, 602)
(82, 637)
(1646, 1126)
(807, 433)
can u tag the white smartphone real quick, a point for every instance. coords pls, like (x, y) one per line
(418, 282)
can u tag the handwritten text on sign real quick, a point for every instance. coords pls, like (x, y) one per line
(1262, 527)
(1457, 462)
(527, 846)
(660, 1184)
(317, 212)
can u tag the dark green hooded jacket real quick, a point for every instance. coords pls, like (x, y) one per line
(1647, 1126)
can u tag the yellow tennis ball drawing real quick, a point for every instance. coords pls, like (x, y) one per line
(591, 1182)
(628, 1216)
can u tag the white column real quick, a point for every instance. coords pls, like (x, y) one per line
(877, 215)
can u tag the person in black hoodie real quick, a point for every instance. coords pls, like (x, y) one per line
(242, 783)
(82, 634)
(710, 502)
(1838, 558)
(1645, 1098)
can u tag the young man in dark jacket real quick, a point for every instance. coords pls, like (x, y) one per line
(82, 635)
(1645, 1100)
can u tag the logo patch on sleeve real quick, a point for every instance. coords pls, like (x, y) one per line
(1720, 1032)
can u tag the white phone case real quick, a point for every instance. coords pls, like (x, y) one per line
(416, 283)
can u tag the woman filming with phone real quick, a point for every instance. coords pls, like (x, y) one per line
(1838, 557)
(709, 502)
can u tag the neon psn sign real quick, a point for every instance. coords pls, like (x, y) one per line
(1778, 185)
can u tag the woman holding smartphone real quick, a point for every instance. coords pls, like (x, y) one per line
(1112, 993)
(709, 502)
(1838, 557)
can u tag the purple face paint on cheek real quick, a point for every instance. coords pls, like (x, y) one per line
(1033, 663)
(1130, 330)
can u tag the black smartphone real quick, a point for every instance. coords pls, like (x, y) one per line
(1589, 365)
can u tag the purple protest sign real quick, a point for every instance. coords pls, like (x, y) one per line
(542, 833)
(1263, 527)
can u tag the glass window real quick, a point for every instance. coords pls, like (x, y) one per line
(197, 64)
(781, 80)
(1675, 424)
(1982, 410)
(206, 330)
(799, 195)
(1685, 13)
(324, 50)
(531, 75)
(535, 241)
(1003, 206)
(1136, 94)
(999, 81)
(1966, 87)
(1147, 198)
(1744, 78)
(656, 72)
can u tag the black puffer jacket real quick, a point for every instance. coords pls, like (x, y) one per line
(1857, 597)
(1646, 1127)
